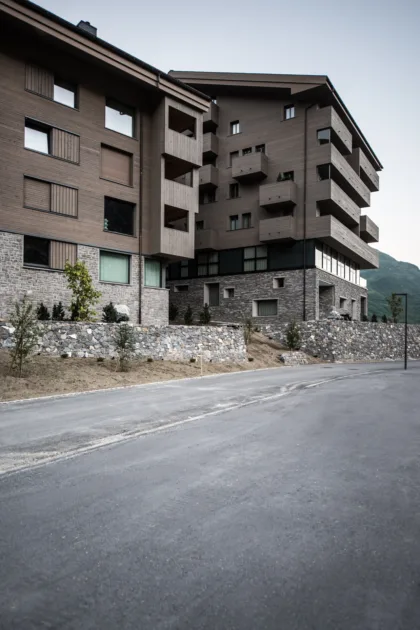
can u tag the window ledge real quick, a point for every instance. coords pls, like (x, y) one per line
(240, 229)
(156, 288)
(119, 233)
(120, 284)
(114, 181)
(59, 214)
(41, 268)
(121, 134)
(55, 157)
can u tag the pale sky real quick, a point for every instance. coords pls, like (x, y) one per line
(370, 49)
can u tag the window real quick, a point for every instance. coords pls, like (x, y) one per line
(233, 191)
(181, 122)
(184, 269)
(324, 172)
(64, 93)
(255, 258)
(232, 156)
(36, 251)
(289, 112)
(119, 216)
(260, 148)
(235, 127)
(247, 151)
(116, 165)
(181, 288)
(37, 137)
(114, 267)
(119, 117)
(264, 308)
(326, 259)
(208, 264)
(278, 283)
(207, 197)
(214, 100)
(211, 294)
(228, 293)
(246, 220)
(152, 273)
(49, 197)
(199, 225)
(324, 136)
(286, 176)
(340, 265)
(234, 222)
(343, 302)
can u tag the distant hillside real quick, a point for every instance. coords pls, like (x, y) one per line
(393, 277)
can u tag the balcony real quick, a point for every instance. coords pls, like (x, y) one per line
(341, 136)
(183, 147)
(278, 195)
(206, 240)
(344, 175)
(209, 177)
(176, 244)
(180, 196)
(211, 118)
(332, 232)
(210, 146)
(365, 170)
(250, 168)
(332, 200)
(277, 229)
(369, 231)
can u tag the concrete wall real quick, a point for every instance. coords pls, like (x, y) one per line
(353, 341)
(176, 343)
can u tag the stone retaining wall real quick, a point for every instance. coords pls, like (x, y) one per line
(352, 341)
(174, 343)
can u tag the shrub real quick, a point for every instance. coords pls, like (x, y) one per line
(124, 340)
(395, 306)
(365, 318)
(293, 337)
(374, 318)
(25, 334)
(149, 360)
(193, 360)
(109, 314)
(100, 359)
(205, 315)
(384, 319)
(42, 312)
(85, 296)
(248, 329)
(173, 312)
(64, 355)
(188, 316)
(58, 312)
(250, 359)
(122, 318)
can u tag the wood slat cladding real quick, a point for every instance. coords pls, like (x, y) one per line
(39, 81)
(36, 194)
(60, 253)
(64, 200)
(65, 145)
(116, 165)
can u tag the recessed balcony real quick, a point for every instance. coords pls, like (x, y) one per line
(250, 168)
(278, 195)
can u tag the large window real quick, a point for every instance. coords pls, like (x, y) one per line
(235, 127)
(289, 112)
(119, 117)
(114, 267)
(37, 137)
(36, 251)
(208, 264)
(64, 93)
(152, 273)
(265, 308)
(255, 258)
(119, 216)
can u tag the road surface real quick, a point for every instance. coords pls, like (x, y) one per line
(283, 499)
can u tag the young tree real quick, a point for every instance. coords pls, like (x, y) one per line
(125, 345)
(58, 312)
(374, 318)
(173, 312)
(42, 312)
(384, 319)
(25, 335)
(85, 296)
(395, 306)
(248, 329)
(188, 316)
(293, 337)
(205, 315)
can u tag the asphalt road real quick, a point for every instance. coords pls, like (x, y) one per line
(275, 500)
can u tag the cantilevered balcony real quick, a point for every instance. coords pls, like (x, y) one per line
(206, 240)
(278, 195)
(210, 146)
(211, 118)
(209, 177)
(364, 168)
(327, 118)
(250, 168)
(340, 171)
(332, 200)
(277, 229)
(369, 231)
(332, 232)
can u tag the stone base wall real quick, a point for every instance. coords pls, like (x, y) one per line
(256, 286)
(154, 304)
(353, 341)
(174, 343)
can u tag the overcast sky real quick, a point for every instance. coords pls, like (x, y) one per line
(370, 49)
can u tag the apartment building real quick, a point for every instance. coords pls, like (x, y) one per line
(286, 172)
(99, 161)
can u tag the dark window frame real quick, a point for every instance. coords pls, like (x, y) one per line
(328, 167)
(247, 151)
(232, 156)
(257, 256)
(158, 262)
(233, 125)
(43, 128)
(199, 225)
(248, 215)
(34, 264)
(205, 262)
(129, 108)
(233, 186)
(260, 148)
(234, 220)
(289, 108)
(116, 253)
(70, 87)
(322, 141)
(286, 176)
(133, 216)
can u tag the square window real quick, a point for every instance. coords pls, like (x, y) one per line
(260, 148)
(64, 93)
(324, 172)
(119, 117)
(289, 112)
(228, 293)
(232, 156)
(343, 302)
(286, 176)
(119, 216)
(37, 137)
(114, 267)
(235, 127)
(264, 308)
(36, 251)
(234, 222)
(152, 273)
(278, 283)
(324, 136)
(233, 191)
(247, 151)
(246, 220)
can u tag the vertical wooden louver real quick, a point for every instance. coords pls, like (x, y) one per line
(64, 200)
(65, 145)
(39, 81)
(60, 253)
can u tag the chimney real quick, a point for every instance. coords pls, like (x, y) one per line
(87, 26)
